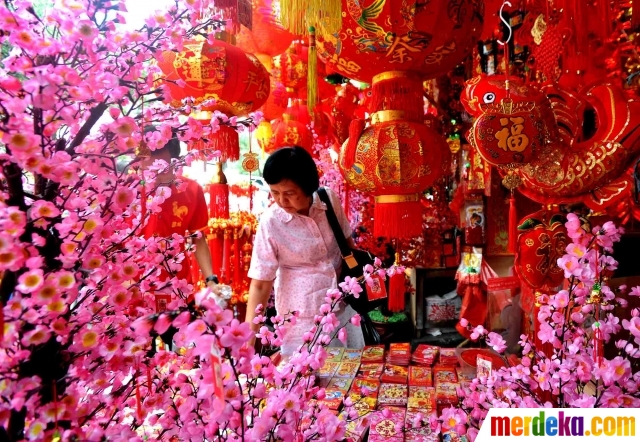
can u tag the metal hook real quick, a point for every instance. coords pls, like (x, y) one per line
(507, 24)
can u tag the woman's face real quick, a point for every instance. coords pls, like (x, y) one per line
(290, 197)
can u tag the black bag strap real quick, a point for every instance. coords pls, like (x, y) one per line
(345, 250)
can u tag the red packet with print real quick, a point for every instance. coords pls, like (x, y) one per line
(425, 355)
(399, 353)
(412, 437)
(363, 404)
(342, 384)
(334, 354)
(333, 398)
(448, 356)
(162, 301)
(352, 355)
(384, 428)
(347, 370)
(370, 371)
(393, 394)
(394, 374)
(444, 373)
(372, 353)
(447, 393)
(484, 366)
(421, 398)
(365, 387)
(422, 428)
(420, 376)
(328, 369)
(464, 375)
(377, 289)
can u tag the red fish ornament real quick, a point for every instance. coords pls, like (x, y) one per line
(556, 145)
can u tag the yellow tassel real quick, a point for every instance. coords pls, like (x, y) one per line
(293, 14)
(327, 14)
(312, 72)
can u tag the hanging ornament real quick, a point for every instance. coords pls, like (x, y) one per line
(250, 162)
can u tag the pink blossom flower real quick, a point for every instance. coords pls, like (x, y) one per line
(355, 320)
(30, 281)
(495, 341)
(235, 334)
(477, 332)
(342, 335)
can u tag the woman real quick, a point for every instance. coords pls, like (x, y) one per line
(296, 247)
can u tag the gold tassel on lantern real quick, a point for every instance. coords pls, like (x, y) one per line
(312, 72)
(294, 14)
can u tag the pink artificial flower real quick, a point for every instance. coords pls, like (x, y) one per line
(464, 322)
(30, 281)
(635, 291)
(342, 335)
(570, 265)
(495, 341)
(351, 286)
(235, 334)
(560, 300)
(454, 419)
(477, 332)
(43, 209)
(355, 320)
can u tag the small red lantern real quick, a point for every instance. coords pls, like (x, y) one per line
(289, 132)
(396, 160)
(542, 240)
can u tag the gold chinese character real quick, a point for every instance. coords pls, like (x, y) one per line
(512, 138)
(399, 50)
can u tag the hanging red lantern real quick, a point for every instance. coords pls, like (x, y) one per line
(237, 81)
(289, 132)
(542, 239)
(225, 140)
(266, 36)
(395, 160)
(293, 69)
(397, 35)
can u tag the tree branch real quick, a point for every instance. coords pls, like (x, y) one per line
(95, 115)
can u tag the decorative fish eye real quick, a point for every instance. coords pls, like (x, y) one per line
(489, 98)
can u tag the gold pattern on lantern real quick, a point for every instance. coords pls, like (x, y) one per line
(250, 162)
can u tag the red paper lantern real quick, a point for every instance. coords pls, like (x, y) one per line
(237, 81)
(392, 35)
(542, 240)
(293, 69)
(266, 36)
(289, 132)
(396, 160)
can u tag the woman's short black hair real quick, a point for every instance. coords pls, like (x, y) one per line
(295, 164)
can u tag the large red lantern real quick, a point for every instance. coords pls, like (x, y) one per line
(429, 37)
(266, 36)
(542, 240)
(395, 160)
(237, 81)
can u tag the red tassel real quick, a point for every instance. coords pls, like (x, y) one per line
(226, 259)
(237, 265)
(216, 244)
(143, 200)
(398, 90)
(598, 345)
(138, 398)
(219, 200)
(397, 219)
(513, 225)
(225, 140)
(356, 127)
(396, 292)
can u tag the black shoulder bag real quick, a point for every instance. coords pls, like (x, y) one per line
(353, 262)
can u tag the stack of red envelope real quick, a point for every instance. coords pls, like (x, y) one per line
(425, 355)
(399, 354)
